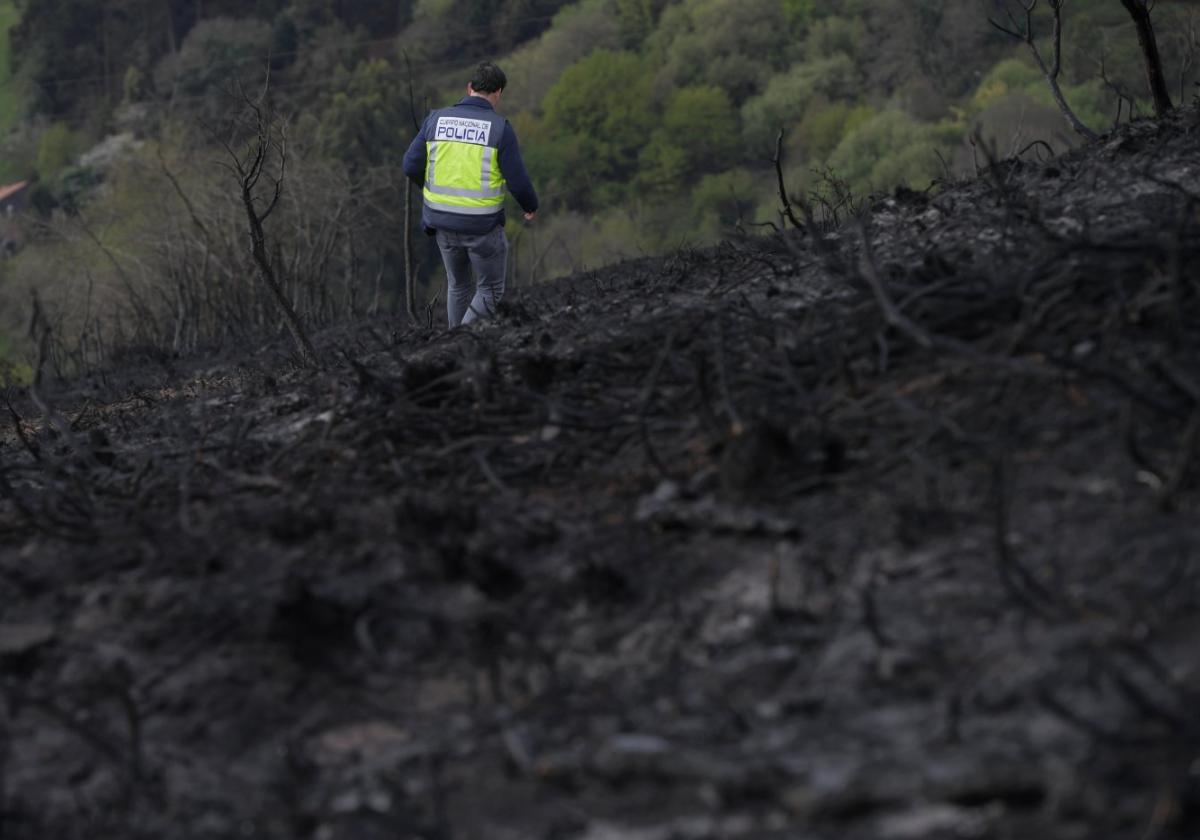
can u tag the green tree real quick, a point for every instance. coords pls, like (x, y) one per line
(1018, 77)
(216, 54)
(833, 36)
(1009, 76)
(888, 150)
(787, 97)
(823, 127)
(637, 18)
(701, 126)
(535, 67)
(733, 45)
(89, 42)
(799, 14)
(724, 199)
(662, 164)
(365, 123)
(57, 149)
(13, 371)
(10, 105)
(598, 115)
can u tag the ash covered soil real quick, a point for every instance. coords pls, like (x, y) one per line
(887, 532)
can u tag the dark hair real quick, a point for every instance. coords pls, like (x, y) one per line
(488, 78)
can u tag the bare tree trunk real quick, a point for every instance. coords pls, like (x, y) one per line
(1139, 10)
(785, 205)
(266, 273)
(1054, 72)
(1061, 101)
(107, 56)
(172, 41)
(1023, 30)
(410, 269)
(268, 140)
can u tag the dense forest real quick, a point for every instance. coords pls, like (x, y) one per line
(647, 125)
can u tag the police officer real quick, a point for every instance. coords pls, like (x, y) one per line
(465, 157)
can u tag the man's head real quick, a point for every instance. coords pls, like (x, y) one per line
(488, 82)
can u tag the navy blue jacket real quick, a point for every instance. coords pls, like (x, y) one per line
(511, 166)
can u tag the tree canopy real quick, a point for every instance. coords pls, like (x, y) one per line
(645, 123)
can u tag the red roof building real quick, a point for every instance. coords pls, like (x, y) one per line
(13, 198)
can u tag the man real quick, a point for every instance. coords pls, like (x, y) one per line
(464, 157)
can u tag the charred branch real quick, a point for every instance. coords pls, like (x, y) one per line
(1156, 80)
(1020, 26)
(265, 156)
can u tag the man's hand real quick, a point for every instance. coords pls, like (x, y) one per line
(529, 217)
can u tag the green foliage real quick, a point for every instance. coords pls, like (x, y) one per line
(723, 200)
(1095, 28)
(535, 67)
(68, 191)
(835, 36)
(1009, 76)
(57, 149)
(733, 45)
(645, 123)
(10, 105)
(825, 124)
(75, 52)
(134, 85)
(799, 14)
(697, 135)
(432, 8)
(460, 32)
(598, 117)
(637, 19)
(888, 150)
(788, 94)
(1019, 77)
(663, 165)
(13, 371)
(1010, 123)
(365, 123)
(704, 120)
(1090, 101)
(216, 55)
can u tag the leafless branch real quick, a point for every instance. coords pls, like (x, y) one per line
(1025, 32)
(1140, 11)
(783, 196)
(268, 140)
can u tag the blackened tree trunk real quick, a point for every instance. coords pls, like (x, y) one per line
(410, 262)
(1139, 10)
(410, 268)
(172, 39)
(267, 141)
(1023, 30)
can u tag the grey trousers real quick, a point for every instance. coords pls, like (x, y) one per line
(468, 300)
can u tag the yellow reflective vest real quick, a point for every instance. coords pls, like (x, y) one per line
(462, 174)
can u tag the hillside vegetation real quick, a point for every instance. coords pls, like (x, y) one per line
(648, 124)
(882, 533)
(9, 103)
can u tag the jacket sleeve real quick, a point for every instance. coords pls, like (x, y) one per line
(513, 167)
(414, 158)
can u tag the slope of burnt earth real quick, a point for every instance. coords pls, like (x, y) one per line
(884, 532)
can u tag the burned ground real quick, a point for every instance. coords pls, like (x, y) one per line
(889, 531)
